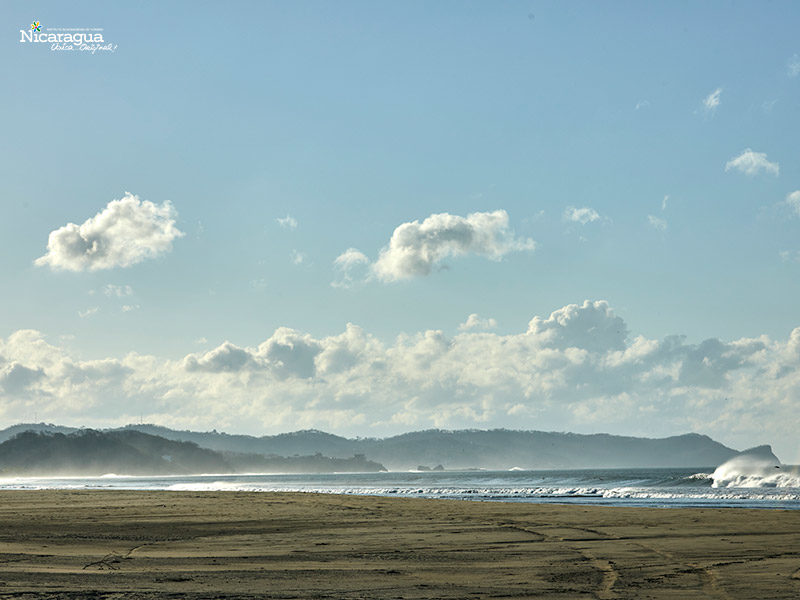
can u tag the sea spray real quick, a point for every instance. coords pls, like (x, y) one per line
(755, 468)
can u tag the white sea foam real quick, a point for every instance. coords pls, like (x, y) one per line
(753, 471)
(638, 487)
(511, 493)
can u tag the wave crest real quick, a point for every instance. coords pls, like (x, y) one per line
(755, 470)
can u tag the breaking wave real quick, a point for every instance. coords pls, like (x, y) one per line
(752, 482)
(749, 471)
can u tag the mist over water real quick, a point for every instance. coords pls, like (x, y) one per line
(624, 487)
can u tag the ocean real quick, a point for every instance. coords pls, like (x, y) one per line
(615, 487)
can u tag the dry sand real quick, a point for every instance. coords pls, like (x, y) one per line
(94, 544)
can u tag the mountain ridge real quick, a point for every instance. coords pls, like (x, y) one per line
(457, 449)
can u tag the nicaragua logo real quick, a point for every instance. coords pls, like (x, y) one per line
(67, 39)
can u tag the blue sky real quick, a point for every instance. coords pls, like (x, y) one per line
(355, 118)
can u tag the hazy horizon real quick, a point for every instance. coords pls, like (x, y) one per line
(374, 219)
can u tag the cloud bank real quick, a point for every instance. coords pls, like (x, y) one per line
(124, 233)
(578, 368)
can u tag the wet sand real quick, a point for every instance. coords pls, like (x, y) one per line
(95, 544)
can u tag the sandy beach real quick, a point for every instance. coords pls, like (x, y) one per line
(95, 544)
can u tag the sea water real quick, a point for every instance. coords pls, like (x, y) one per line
(621, 487)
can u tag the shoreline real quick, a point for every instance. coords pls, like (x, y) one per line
(151, 544)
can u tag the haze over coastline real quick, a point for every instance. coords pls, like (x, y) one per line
(142, 448)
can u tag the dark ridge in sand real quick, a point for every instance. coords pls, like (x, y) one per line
(146, 545)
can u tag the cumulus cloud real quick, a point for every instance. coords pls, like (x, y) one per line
(793, 200)
(287, 353)
(225, 358)
(592, 326)
(287, 222)
(578, 367)
(582, 215)
(752, 163)
(657, 222)
(474, 322)
(124, 233)
(416, 248)
(712, 101)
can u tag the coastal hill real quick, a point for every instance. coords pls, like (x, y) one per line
(129, 452)
(90, 452)
(492, 449)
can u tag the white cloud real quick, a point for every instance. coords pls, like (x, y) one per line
(298, 258)
(475, 322)
(416, 248)
(664, 203)
(582, 215)
(752, 163)
(124, 233)
(350, 257)
(592, 326)
(287, 222)
(657, 222)
(642, 104)
(119, 291)
(129, 307)
(88, 312)
(712, 101)
(793, 66)
(287, 353)
(224, 358)
(575, 368)
(349, 264)
(793, 200)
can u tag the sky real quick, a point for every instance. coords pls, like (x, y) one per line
(371, 218)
